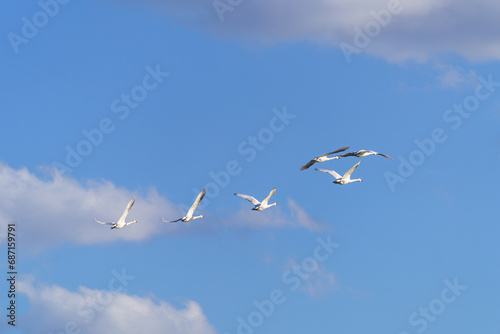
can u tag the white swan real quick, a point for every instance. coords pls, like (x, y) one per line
(259, 206)
(189, 215)
(364, 153)
(121, 222)
(323, 158)
(341, 179)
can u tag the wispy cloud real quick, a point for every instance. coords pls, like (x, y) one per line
(317, 282)
(294, 217)
(421, 29)
(54, 307)
(455, 77)
(303, 219)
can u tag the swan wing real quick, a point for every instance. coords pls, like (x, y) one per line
(385, 156)
(349, 172)
(307, 165)
(127, 210)
(337, 151)
(103, 223)
(171, 221)
(271, 193)
(248, 198)
(331, 172)
(196, 202)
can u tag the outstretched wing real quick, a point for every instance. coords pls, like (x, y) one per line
(264, 202)
(331, 172)
(337, 151)
(196, 202)
(349, 172)
(385, 156)
(171, 221)
(103, 223)
(350, 154)
(249, 198)
(127, 210)
(307, 165)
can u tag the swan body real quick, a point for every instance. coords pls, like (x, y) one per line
(189, 215)
(121, 222)
(341, 179)
(259, 206)
(323, 158)
(364, 153)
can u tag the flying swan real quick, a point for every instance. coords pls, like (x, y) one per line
(364, 153)
(341, 179)
(323, 158)
(259, 206)
(121, 222)
(189, 216)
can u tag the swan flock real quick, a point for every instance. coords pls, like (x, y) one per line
(264, 204)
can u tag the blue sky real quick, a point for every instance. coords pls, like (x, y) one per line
(160, 99)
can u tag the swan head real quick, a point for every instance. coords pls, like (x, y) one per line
(133, 221)
(274, 204)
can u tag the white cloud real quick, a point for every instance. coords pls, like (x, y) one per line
(422, 29)
(60, 209)
(52, 308)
